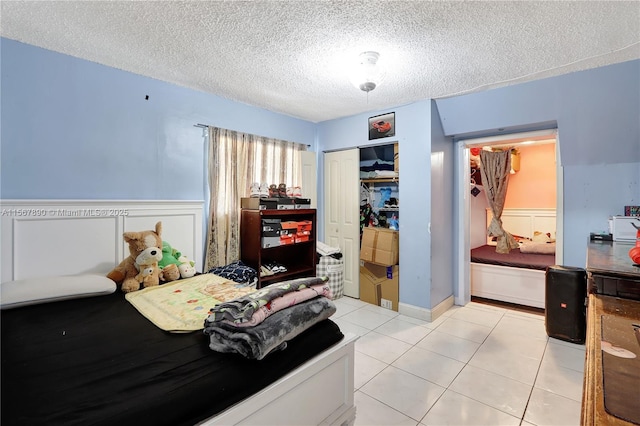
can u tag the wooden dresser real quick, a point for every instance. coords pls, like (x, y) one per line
(611, 271)
(611, 388)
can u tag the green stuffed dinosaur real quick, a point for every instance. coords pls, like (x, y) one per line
(169, 256)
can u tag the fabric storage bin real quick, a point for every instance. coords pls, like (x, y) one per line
(333, 268)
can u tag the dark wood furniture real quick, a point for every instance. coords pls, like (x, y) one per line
(611, 271)
(298, 258)
(611, 387)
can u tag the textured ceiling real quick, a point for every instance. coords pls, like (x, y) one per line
(290, 56)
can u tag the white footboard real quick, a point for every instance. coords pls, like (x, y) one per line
(320, 392)
(513, 285)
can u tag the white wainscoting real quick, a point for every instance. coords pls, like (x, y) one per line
(524, 222)
(68, 237)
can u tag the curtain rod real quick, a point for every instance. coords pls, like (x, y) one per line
(205, 126)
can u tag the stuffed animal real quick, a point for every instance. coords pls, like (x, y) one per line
(169, 273)
(147, 265)
(144, 252)
(169, 256)
(145, 275)
(186, 267)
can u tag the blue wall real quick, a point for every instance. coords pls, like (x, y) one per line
(598, 118)
(413, 123)
(442, 214)
(76, 129)
(73, 129)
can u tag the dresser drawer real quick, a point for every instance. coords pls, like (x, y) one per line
(617, 287)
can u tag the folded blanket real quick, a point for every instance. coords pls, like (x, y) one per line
(183, 305)
(242, 308)
(273, 333)
(325, 249)
(282, 302)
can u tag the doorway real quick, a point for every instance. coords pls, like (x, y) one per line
(470, 197)
(366, 174)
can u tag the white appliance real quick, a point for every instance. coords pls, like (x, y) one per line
(622, 228)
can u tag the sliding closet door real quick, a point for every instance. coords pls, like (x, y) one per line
(309, 177)
(342, 212)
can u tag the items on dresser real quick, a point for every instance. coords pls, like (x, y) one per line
(610, 270)
(280, 244)
(284, 203)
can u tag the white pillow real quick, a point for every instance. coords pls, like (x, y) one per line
(33, 291)
(538, 248)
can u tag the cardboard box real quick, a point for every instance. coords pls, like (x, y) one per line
(379, 284)
(369, 288)
(380, 246)
(305, 226)
(287, 239)
(285, 204)
(302, 203)
(268, 242)
(289, 227)
(271, 227)
(255, 203)
(301, 237)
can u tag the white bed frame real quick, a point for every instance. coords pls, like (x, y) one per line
(508, 284)
(70, 237)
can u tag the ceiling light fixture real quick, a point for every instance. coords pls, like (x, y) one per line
(367, 74)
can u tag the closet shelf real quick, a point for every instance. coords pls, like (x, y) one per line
(380, 180)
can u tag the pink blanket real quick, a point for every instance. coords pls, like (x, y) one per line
(282, 302)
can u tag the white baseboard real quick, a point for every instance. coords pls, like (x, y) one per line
(442, 307)
(424, 314)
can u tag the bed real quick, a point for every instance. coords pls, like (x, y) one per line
(516, 277)
(97, 360)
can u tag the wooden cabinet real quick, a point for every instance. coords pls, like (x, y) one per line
(298, 258)
(611, 386)
(611, 271)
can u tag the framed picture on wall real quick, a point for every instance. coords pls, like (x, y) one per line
(382, 126)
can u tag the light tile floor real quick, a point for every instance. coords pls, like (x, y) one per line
(475, 365)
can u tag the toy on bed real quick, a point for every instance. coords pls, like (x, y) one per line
(169, 263)
(145, 275)
(169, 273)
(540, 243)
(144, 252)
(174, 265)
(187, 267)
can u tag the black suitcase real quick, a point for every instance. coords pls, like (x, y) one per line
(565, 296)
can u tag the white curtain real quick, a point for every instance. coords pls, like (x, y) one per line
(494, 169)
(236, 160)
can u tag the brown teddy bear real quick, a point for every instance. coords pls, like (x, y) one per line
(145, 249)
(145, 275)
